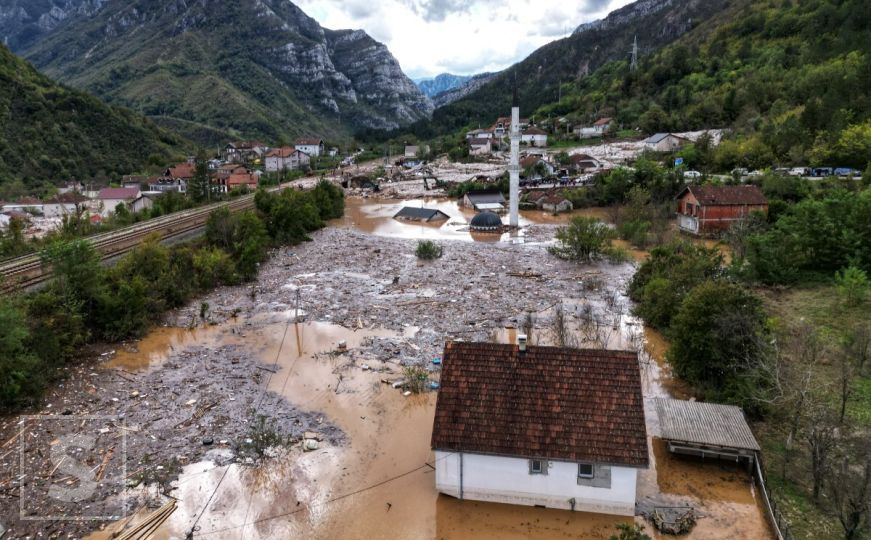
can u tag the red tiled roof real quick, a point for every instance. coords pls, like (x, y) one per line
(241, 180)
(726, 195)
(529, 161)
(534, 196)
(182, 170)
(549, 402)
(602, 121)
(553, 199)
(118, 193)
(283, 152)
(534, 131)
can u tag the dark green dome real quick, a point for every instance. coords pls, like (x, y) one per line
(486, 221)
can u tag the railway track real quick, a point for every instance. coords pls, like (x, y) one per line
(28, 271)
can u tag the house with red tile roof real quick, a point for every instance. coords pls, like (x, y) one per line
(131, 198)
(714, 209)
(540, 426)
(286, 158)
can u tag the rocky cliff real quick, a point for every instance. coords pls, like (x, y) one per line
(213, 67)
(441, 83)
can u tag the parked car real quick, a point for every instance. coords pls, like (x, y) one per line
(781, 171)
(755, 173)
(799, 171)
(740, 171)
(846, 172)
(692, 174)
(821, 172)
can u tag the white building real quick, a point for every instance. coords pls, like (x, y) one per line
(664, 142)
(286, 158)
(546, 426)
(312, 147)
(534, 137)
(599, 128)
(110, 198)
(70, 203)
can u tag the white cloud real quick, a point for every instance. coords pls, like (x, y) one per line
(464, 37)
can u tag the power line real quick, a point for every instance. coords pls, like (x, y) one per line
(334, 499)
(190, 533)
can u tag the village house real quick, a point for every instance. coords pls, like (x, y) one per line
(664, 142)
(555, 204)
(479, 147)
(502, 127)
(534, 137)
(411, 150)
(286, 158)
(540, 426)
(714, 209)
(426, 215)
(599, 128)
(72, 185)
(133, 180)
(244, 151)
(240, 181)
(131, 198)
(534, 168)
(27, 205)
(312, 147)
(581, 163)
(479, 134)
(485, 200)
(70, 203)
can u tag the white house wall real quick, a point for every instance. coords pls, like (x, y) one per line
(507, 480)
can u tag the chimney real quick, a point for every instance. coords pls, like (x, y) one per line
(521, 342)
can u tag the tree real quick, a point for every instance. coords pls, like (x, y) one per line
(853, 285)
(631, 531)
(199, 187)
(717, 339)
(584, 239)
(821, 438)
(21, 372)
(850, 493)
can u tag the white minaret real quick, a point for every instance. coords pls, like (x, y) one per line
(514, 167)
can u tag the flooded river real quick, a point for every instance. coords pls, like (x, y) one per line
(379, 482)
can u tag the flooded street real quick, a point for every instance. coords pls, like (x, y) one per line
(368, 308)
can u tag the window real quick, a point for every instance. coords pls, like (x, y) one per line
(585, 470)
(537, 466)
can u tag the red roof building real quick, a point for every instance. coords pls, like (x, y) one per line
(507, 415)
(714, 209)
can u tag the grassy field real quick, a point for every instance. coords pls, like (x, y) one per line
(817, 307)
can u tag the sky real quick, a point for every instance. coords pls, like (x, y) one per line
(463, 37)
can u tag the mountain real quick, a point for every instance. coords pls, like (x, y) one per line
(50, 133)
(655, 23)
(470, 85)
(215, 68)
(441, 83)
(788, 80)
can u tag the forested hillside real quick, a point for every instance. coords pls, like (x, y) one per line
(50, 133)
(791, 79)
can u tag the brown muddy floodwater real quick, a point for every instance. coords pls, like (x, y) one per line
(375, 216)
(379, 482)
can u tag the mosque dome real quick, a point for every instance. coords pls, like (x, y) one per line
(486, 221)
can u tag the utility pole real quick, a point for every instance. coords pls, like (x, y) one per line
(633, 66)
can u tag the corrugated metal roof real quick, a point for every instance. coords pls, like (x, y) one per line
(710, 424)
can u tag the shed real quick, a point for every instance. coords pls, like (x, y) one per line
(475, 199)
(705, 429)
(409, 213)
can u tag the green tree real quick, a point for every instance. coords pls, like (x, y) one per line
(21, 372)
(853, 285)
(584, 239)
(199, 187)
(718, 340)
